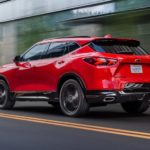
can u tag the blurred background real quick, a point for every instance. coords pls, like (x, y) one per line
(24, 22)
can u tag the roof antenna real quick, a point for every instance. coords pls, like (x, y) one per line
(108, 36)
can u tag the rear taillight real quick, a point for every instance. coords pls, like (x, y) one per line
(99, 61)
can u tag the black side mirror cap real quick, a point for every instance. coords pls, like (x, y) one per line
(17, 58)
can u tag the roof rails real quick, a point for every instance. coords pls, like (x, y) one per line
(76, 37)
(67, 37)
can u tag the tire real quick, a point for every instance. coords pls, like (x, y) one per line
(72, 99)
(6, 101)
(137, 107)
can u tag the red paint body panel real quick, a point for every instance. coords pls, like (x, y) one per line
(44, 75)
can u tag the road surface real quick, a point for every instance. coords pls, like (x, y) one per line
(39, 126)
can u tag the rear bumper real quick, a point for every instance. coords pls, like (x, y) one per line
(109, 97)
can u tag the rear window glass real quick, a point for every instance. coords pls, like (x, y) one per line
(128, 47)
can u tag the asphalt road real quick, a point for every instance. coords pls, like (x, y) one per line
(39, 126)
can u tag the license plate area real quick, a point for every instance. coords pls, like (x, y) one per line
(136, 69)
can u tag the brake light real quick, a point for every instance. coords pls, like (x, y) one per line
(99, 61)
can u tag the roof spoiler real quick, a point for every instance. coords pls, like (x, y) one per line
(115, 41)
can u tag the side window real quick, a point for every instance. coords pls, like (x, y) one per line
(56, 49)
(72, 46)
(35, 52)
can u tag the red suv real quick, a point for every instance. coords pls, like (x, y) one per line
(76, 73)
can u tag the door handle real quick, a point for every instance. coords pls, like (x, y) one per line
(61, 62)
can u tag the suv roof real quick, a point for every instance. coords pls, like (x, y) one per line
(81, 40)
(78, 39)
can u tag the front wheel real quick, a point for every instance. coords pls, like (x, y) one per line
(72, 99)
(136, 107)
(6, 101)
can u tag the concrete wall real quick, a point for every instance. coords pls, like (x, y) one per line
(15, 9)
(24, 22)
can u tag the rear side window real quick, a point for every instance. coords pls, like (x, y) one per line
(128, 47)
(72, 46)
(56, 49)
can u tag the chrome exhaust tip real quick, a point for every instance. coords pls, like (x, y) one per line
(109, 99)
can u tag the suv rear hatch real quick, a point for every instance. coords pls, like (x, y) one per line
(133, 61)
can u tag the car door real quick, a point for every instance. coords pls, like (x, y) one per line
(26, 77)
(47, 66)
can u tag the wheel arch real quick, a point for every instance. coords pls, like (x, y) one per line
(68, 76)
(4, 78)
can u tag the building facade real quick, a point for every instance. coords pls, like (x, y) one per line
(24, 22)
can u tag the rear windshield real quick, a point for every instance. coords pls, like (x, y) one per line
(127, 47)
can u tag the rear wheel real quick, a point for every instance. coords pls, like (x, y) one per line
(72, 99)
(6, 101)
(136, 107)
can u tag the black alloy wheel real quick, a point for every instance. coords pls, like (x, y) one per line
(72, 99)
(6, 101)
(136, 107)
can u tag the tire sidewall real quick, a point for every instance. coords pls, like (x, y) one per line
(81, 97)
(7, 94)
(136, 107)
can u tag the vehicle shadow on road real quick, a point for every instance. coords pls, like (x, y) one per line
(38, 110)
(111, 116)
(112, 112)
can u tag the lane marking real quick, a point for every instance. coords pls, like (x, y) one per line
(94, 128)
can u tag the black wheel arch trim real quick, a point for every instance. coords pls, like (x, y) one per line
(67, 76)
(4, 78)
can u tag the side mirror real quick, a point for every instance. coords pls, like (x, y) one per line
(17, 59)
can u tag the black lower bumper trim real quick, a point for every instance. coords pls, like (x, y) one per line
(106, 97)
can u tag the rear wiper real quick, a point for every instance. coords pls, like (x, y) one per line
(124, 52)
